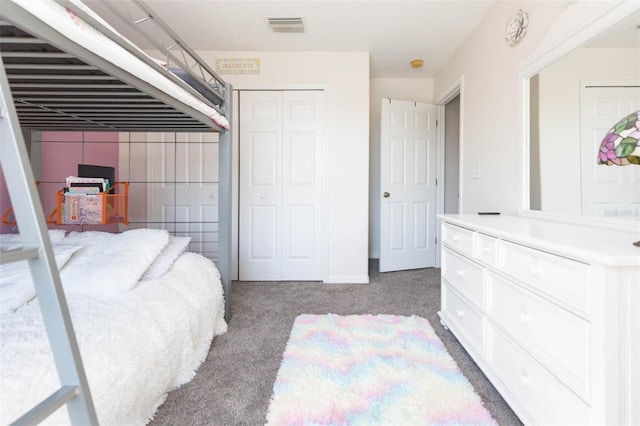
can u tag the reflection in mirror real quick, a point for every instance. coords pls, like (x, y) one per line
(573, 103)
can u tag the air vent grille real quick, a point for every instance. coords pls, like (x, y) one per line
(286, 25)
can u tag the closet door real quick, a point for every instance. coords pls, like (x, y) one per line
(280, 185)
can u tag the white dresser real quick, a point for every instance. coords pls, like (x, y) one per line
(550, 312)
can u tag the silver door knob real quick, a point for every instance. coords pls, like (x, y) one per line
(386, 195)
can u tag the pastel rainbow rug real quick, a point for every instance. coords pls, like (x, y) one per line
(370, 370)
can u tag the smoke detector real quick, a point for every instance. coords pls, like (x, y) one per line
(286, 25)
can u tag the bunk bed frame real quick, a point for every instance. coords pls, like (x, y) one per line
(49, 82)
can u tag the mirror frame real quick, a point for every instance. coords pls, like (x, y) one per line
(564, 37)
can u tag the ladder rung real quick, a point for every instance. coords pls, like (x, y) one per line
(48, 406)
(21, 254)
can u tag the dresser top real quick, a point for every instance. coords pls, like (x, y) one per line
(585, 243)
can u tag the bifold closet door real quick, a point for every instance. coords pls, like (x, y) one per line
(280, 185)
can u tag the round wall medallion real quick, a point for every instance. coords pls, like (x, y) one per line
(517, 27)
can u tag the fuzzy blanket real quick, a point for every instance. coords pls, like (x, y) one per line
(135, 349)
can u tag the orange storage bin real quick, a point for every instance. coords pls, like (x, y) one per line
(100, 209)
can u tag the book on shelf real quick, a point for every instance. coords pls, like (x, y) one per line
(87, 182)
(94, 189)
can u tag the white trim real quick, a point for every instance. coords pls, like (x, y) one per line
(455, 89)
(451, 92)
(235, 183)
(237, 88)
(325, 186)
(347, 279)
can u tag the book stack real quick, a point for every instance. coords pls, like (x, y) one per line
(84, 200)
(86, 185)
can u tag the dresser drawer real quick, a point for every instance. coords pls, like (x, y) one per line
(464, 317)
(546, 399)
(459, 238)
(464, 275)
(486, 249)
(559, 338)
(559, 277)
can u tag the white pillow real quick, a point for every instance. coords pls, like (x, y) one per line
(16, 285)
(111, 264)
(162, 263)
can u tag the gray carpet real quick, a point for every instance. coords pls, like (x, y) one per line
(233, 385)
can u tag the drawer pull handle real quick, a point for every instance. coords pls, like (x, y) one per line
(460, 272)
(525, 318)
(456, 238)
(460, 313)
(525, 380)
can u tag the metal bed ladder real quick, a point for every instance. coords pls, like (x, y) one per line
(37, 250)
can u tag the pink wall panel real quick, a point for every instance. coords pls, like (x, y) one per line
(102, 154)
(61, 154)
(59, 160)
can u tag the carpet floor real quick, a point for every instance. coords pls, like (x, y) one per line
(234, 385)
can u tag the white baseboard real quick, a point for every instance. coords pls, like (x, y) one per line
(347, 279)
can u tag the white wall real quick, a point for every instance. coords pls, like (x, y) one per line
(403, 89)
(493, 137)
(490, 68)
(560, 119)
(345, 77)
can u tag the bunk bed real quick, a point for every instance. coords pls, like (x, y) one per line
(65, 68)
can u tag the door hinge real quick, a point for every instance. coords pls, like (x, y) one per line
(436, 182)
(436, 240)
(436, 123)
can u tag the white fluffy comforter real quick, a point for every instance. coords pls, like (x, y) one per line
(135, 348)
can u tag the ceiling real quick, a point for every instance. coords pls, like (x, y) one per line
(393, 31)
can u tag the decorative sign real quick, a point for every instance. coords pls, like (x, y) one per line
(238, 65)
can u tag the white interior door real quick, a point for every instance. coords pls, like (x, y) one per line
(408, 175)
(182, 178)
(281, 140)
(607, 191)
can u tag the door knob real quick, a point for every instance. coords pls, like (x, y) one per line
(386, 194)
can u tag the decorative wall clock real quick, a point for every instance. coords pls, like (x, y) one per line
(517, 27)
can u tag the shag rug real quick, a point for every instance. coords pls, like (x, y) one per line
(370, 370)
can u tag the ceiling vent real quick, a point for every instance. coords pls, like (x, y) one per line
(286, 25)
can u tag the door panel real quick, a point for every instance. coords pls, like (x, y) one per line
(264, 229)
(302, 185)
(260, 185)
(408, 160)
(280, 153)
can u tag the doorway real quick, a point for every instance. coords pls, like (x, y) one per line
(450, 148)
(451, 182)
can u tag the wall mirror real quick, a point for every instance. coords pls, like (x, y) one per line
(573, 102)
